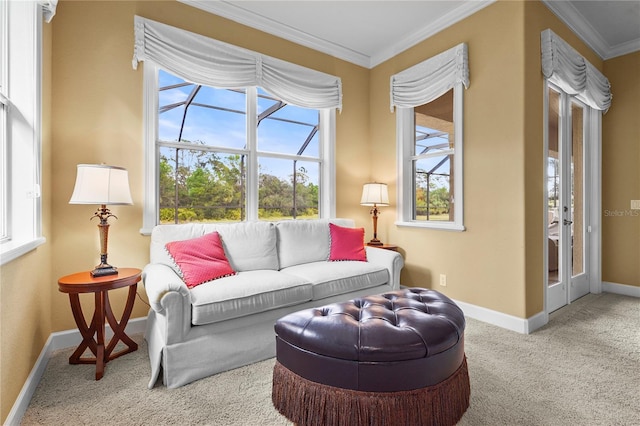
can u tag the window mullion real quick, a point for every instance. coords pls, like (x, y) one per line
(404, 128)
(252, 156)
(458, 150)
(327, 196)
(152, 152)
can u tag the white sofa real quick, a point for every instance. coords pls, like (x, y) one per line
(223, 324)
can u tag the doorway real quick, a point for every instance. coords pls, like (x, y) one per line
(568, 199)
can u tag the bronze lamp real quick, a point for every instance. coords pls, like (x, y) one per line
(375, 194)
(101, 184)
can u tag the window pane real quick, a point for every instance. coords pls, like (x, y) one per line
(286, 129)
(433, 152)
(279, 198)
(201, 186)
(430, 141)
(4, 210)
(201, 114)
(4, 163)
(432, 189)
(205, 152)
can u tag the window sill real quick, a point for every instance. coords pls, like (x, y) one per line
(444, 226)
(13, 250)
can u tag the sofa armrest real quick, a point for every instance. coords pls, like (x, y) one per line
(159, 280)
(170, 298)
(392, 260)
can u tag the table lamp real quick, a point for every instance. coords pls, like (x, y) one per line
(375, 194)
(101, 184)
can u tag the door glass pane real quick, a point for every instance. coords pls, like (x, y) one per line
(553, 187)
(577, 188)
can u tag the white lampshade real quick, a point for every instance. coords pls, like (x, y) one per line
(375, 194)
(101, 184)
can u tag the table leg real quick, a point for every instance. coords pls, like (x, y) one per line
(100, 312)
(96, 345)
(87, 332)
(119, 327)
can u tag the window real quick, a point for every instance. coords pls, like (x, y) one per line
(20, 91)
(428, 102)
(4, 101)
(206, 154)
(231, 134)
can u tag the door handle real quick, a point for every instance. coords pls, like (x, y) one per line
(567, 222)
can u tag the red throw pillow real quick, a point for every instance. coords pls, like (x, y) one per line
(200, 259)
(347, 243)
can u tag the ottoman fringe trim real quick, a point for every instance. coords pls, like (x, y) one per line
(308, 403)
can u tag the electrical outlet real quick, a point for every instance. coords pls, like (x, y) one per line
(443, 280)
(635, 204)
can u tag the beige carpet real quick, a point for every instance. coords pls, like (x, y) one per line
(583, 368)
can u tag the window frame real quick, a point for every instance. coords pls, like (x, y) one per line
(21, 58)
(326, 132)
(405, 141)
(4, 102)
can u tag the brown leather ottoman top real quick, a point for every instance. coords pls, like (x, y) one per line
(401, 340)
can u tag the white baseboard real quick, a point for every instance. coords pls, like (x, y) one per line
(72, 338)
(529, 325)
(56, 341)
(509, 322)
(625, 290)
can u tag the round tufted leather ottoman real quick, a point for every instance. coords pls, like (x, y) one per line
(395, 358)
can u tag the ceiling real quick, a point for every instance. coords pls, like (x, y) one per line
(368, 33)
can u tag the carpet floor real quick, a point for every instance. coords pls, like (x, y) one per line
(583, 368)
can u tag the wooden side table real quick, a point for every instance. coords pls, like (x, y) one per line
(391, 247)
(83, 282)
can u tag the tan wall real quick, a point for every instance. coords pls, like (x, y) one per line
(621, 173)
(26, 284)
(537, 19)
(484, 264)
(97, 101)
(497, 262)
(93, 113)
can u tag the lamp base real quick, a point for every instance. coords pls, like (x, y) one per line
(102, 271)
(375, 242)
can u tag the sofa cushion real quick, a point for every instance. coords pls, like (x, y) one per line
(200, 259)
(346, 243)
(247, 293)
(331, 278)
(304, 241)
(248, 245)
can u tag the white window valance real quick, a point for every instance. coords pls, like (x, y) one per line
(569, 70)
(206, 61)
(426, 81)
(48, 9)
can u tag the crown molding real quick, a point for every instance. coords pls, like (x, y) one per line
(451, 18)
(574, 20)
(253, 20)
(623, 49)
(236, 13)
(568, 14)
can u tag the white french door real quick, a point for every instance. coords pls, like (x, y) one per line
(568, 200)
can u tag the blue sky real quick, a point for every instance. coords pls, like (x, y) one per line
(228, 129)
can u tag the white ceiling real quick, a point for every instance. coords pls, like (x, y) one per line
(368, 33)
